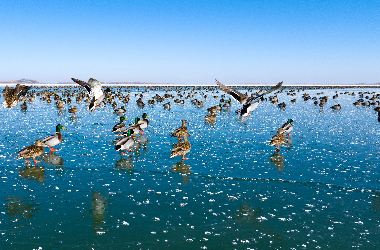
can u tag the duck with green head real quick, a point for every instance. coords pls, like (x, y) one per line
(54, 140)
(144, 123)
(135, 127)
(287, 127)
(120, 111)
(126, 142)
(120, 127)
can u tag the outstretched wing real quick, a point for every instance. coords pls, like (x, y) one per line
(234, 93)
(83, 84)
(96, 87)
(257, 98)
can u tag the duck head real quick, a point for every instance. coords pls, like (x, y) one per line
(144, 116)
(59, 127)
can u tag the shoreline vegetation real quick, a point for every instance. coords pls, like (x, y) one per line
(34, 83)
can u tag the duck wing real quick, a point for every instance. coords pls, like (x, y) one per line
(258, 97)
(83, 84)
(234, 93)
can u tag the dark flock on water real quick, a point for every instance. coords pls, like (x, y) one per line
(96, 97)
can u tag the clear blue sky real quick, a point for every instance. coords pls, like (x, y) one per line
(164, 41)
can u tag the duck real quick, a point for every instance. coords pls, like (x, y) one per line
(94, 89)
(24, 106)
(227, 104)
(53, 140)
(73, 110)
(12, 95)
(136, 127)
(125, 143)
(211, 117)
(249, 103)
(179, 132)
(336, 107)
(215, 108)
(286, 127)
(278, 139)
(120, 127)
(144, 123)
(120, 111)
(182, 148)
(32, 151)
(167, 105)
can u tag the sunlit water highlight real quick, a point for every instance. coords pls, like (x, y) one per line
(235, 191)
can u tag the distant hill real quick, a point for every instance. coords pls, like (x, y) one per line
(22, 81)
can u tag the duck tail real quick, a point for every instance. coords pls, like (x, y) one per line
(117, 147)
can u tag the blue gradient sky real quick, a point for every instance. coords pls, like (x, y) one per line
(184, 42)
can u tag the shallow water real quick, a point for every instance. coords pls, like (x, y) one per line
(235, 190)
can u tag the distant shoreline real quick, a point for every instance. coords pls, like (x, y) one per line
(2, 84)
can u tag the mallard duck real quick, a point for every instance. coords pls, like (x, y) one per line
(125, 143)
(227, 104)
(12, 95)
(211, 117)
(94, 89)
(144, 123)
(32, 151)
(278, 139)
(24, 106)
(249, 103)
(286, 127)
(73, 110)
(336, 107)
(167, 105)
(54, 140)
(120, 127)
(120, 111)
(136, 127)
(182, 148)
(215, 108)
(179, 132)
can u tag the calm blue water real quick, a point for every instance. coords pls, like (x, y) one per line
(322, 190)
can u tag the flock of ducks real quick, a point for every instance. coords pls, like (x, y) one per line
(97, 97)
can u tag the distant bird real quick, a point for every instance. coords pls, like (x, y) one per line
(120, 111)
(215, 108)
(336, 107)
(12, 95)
(167, 105)
(94, 89)
(278, 139)
(32, 151)
(120, 127)
(286, 127)
(179, 132)
(182, 148)
(211, 117)
(54, 140)
(249, 103)
(125, 143)
(73, 110)
(24, 106)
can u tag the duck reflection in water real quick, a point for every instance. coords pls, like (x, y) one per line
(19, 209)
(98, 211)
(184, 169)
(277, 160)
(124, 163)
(33, 173)
(52, 159)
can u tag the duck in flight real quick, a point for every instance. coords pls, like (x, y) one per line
(249, 103)
(94, 89)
